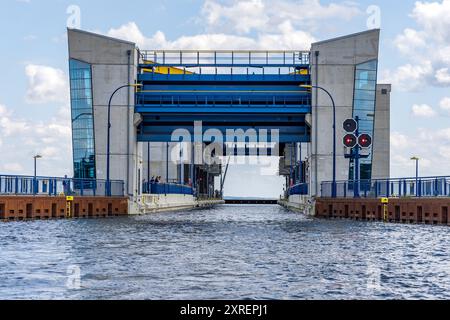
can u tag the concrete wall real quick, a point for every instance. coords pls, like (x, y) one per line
(113, 65)
(382, 136)
(334, 69)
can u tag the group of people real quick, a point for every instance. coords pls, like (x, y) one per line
(156, 180)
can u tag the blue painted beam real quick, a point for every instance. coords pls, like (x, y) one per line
(283, 129)
(283, 138)
(225, 118)
(214, 87)
(236, 109)
(250, 78)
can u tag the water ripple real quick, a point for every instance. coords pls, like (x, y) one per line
(231, 252)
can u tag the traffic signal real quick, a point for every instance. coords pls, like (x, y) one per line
(350, 125)
(350, 141)
(365, 141)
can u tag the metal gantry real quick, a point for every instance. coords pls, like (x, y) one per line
(225, 90)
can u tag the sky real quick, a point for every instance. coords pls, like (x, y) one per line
(34, 98)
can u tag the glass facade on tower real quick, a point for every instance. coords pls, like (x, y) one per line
(364, 108)
(82, 120)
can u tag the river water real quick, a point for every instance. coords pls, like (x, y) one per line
(229, 252)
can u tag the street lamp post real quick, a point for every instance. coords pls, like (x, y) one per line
(38, 156)
(416, 159)
(108, 144)
(333, 188)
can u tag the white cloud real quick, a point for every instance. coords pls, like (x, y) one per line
(430, 43)
(445, 104)
(13, 167)
(423, 111)
(245, 16)
(443, 76)
(444, 152)
(10, 127)
(284, 37)
(408, 77)
(433, 17)
(46, 84)
(423, 144)
(400, 141)
(26, 137)
(3, 111)
(249, 25)
(410, 41)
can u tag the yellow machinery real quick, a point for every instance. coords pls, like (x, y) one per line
(165, 70)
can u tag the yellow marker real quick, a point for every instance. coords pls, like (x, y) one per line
(69, 209)
(69, 198)
(384, 200)
(386, 213)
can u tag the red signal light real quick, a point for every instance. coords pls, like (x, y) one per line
(350, 141)
(365, 141)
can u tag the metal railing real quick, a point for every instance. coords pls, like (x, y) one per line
(166, 188)
(55, 186)
(224, 58)
(223, 99)
(299, 189)
(391, 188)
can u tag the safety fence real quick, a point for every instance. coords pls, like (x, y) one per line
(390, 188)
(176, 58)
(167, 188)
(299, 189)
(55, 186)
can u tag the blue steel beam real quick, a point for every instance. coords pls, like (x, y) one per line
(224, 65)
(167, 137)
(224, 118)
(230, 109)
(223, 78)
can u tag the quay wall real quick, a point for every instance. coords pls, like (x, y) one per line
(13, 208)
(433, 211)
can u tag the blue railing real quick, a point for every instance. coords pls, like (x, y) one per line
(54, 186)
(167, 188)
(299, 189)
(391, 188)
(224, 58)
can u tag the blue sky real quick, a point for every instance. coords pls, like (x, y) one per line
(34, 106)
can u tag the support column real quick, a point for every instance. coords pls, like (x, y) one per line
(167, 166)
(192, 165)
(181, 164)
(300, 166)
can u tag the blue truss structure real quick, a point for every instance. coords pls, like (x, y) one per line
(225, 90)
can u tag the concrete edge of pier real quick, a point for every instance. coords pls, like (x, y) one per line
(157, 203)
(302, 205)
